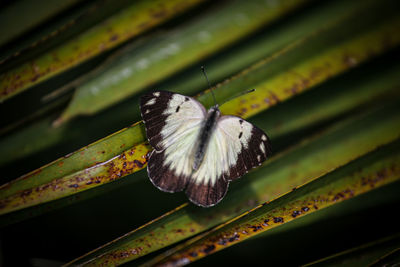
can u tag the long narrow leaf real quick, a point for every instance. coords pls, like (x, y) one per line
(163, 56)
(17, 195)
(363, 255)
(365, 174)
(128, 23)
(37, 15)
(42, 135)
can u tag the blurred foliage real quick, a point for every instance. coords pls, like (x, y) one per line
(72, 146)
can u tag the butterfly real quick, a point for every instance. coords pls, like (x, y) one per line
(196, 150)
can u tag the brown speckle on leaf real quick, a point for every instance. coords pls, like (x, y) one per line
(138, 163)
(208, 249)
(256, 227)
(349, 61)
(159, 14)
(296, 213)
(114, 37)
(26, 193)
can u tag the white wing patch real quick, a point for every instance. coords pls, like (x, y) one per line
(151, 102)
(223, 150)
(179, 154)
(184, 118)
(262, 147)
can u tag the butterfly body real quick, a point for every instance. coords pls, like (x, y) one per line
(196, 150)
(204, 137)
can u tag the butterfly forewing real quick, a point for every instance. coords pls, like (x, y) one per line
(248, 145)
(168, 115)
(174, 124)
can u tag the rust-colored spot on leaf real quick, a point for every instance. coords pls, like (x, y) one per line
(278, 220)
(305, 209)
(208, 249)
(296, 213)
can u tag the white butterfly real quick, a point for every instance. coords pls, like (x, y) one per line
(198, 150)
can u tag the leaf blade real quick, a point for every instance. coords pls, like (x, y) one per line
(339, 185)
(238, 106)
(128, 23)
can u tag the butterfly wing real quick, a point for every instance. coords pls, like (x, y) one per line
(173, 123)
(236, 146)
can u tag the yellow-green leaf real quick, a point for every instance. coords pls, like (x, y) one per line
(164, 55)
(130, 22)
(365, 174)
(315, 69)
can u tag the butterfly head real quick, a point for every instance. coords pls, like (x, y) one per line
(214, 109)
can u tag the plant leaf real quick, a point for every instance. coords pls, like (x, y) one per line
(50, 184)
(363, 255)
(164, 55)
(43, 136)
(128, 23)
(362, 175)
(36, 16)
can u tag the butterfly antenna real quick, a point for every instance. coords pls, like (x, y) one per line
(238, 95)
(209, 84)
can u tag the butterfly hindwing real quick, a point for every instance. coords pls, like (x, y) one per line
(162, 176)
(207, 194)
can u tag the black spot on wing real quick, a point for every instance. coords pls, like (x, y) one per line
(177, 108)
(162, 176)
(252, 155)
(207, 195)
(152, 115)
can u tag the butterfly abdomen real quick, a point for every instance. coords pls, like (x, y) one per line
(204, 136)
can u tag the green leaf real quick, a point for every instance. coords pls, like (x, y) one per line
(302, 75)
(79, 18)
(33, 15)
(85, 162)
(42, 185)
(336, 147)
(129, 22)
(362, 175)
(42, 136)
(365, 255)
(164, 55)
